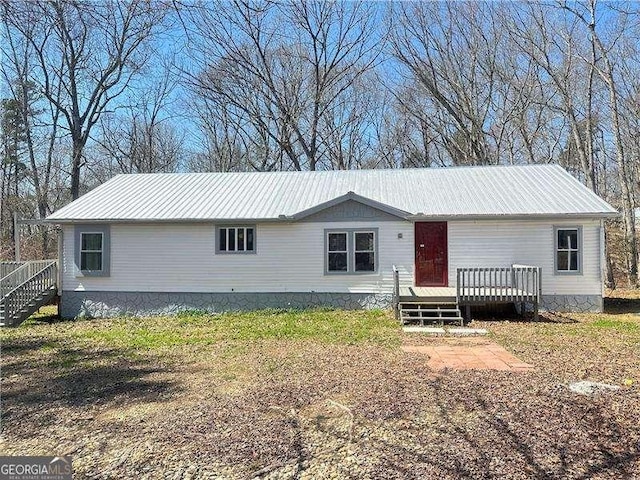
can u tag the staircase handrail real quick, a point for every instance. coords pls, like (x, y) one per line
(9, 266)
(20, 296)
(21, 274)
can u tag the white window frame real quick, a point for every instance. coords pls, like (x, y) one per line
(351, 251)
(87, 228)
(101, 251)
(235, 228)
(328, 233)
(578, 250)
(356, 251)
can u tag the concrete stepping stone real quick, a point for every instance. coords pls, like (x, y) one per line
(467, 331)
(426, 330)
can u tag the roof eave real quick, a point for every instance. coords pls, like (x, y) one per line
(294, 218)
(67, 221)
(521, 216)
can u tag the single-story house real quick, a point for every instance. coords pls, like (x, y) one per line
(160, 243)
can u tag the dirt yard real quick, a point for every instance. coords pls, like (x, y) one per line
(320, 395)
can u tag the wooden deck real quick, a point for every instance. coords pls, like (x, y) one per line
(444, 294)
(518, 284)
(429, 294)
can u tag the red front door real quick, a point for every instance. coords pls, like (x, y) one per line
(431, 254)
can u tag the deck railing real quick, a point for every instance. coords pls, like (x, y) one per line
(44, 275)
(7, 267)
(21, 273)
(396, 292)
(518, 283)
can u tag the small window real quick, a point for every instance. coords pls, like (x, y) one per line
(364, 252)
(236, 240)
(568, 250)
(91, 251)
(337, 252)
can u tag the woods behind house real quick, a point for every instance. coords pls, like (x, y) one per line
(93, 89)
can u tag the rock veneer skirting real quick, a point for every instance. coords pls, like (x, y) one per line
(572, 303)
(100, 304)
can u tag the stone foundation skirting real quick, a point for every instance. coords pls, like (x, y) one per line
(572, 303)
(114, 304)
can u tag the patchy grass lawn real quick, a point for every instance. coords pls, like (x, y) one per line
(319, 394)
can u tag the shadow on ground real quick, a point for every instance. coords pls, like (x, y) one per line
(491, 440)
(509, 313)
(40, 376)
(621, 305)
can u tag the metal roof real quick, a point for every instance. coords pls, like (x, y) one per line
(457, 192)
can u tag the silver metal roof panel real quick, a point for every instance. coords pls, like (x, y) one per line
(457, 192)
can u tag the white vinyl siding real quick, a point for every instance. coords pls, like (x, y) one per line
(289, 258)
(503, 243)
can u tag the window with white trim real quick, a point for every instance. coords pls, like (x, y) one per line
(568, 250)
(350, 251)
(236, 239)
(337, 252)
(364, 252)
(91, 251)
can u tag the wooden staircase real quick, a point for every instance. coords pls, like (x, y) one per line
(420, 306)
(424, 312)
(25, 289)
(517, 284)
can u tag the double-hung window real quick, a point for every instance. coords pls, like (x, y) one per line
(364, 252)
(91, 251)
(568, 250)
(92, 246)
(236, 239)
(337, 253)
(350, 251)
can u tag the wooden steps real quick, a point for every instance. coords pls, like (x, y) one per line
(26, 289)
(44, 298)
(427, 312)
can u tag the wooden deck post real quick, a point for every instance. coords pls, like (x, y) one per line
(396, 292)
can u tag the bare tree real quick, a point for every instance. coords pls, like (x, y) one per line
(605, 66)
(142, 137)
(451, 51)
(38, 123)
(553, 47)
(282, 69)
(86, 53)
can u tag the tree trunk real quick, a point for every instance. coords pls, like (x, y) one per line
(76, 164)
(631, 247)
